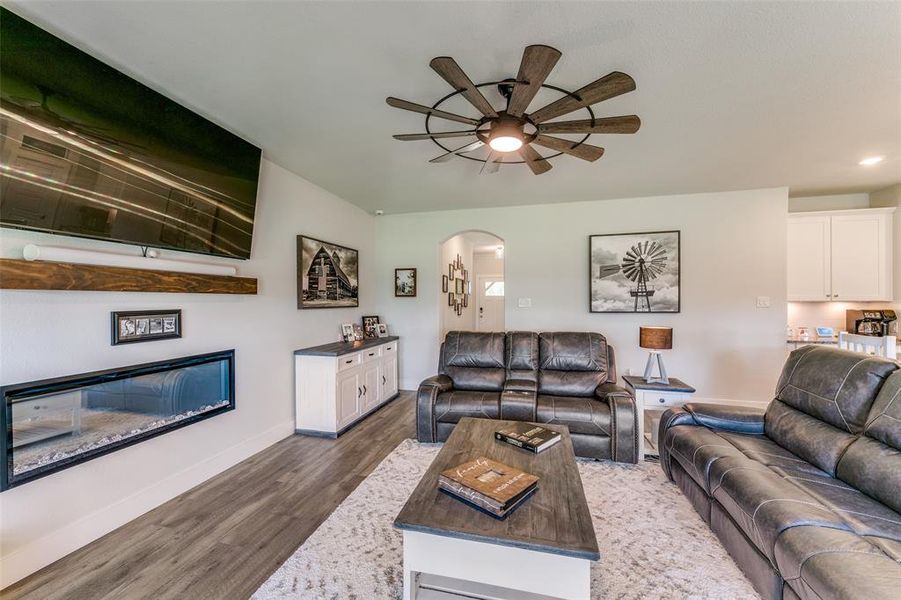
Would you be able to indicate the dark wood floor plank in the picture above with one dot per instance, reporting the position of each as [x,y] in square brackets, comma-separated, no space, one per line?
[223,538]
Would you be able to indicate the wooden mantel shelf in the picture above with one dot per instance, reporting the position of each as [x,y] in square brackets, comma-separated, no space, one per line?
[18,274]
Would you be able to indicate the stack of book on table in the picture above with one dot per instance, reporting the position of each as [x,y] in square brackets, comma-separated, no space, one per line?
[528,436]
[488,485]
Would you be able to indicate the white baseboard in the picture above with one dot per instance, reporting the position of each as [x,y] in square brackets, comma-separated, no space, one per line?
[50,548]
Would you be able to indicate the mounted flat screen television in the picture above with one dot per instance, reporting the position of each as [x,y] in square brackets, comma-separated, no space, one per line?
[87,151]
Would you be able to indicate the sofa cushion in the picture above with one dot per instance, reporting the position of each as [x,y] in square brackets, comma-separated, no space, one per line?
[450,407]
[474,349]
[864,515]
[764,504]
[820,562]
[767,452]
[844,397]
[696,449]
[572,351]
[814,440]
[474,361]
[522,355]
[582,415]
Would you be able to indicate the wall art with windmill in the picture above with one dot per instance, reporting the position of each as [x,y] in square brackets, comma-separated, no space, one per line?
[635,272]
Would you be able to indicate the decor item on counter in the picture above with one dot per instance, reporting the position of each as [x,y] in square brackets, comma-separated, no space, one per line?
[327,274]
[825,332]
[655,339]
[444,283]
[635,272]
[510,135]
[804,333]
[347,332]
[405,282]
[370,325]
[358,332]
[878,322]
[382,330]
[131,326]
[149,171]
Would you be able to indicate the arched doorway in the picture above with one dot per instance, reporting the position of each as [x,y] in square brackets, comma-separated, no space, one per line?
[472,263]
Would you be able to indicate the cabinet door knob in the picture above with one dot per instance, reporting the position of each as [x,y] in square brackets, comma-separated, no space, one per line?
[662,400]
[364,390]
[384,381]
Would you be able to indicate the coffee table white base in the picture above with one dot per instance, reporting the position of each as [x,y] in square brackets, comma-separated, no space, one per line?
[481,570]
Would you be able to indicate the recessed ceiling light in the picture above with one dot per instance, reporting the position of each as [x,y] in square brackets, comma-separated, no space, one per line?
[870,161]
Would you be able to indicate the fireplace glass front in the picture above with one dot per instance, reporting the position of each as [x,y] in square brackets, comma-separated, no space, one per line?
[53,424]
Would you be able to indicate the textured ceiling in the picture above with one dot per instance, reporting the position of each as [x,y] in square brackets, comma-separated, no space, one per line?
[731,95]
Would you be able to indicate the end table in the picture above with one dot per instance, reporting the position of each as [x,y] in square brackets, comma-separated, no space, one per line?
[651,399]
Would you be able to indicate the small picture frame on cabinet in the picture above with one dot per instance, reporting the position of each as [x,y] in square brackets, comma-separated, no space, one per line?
[382,330]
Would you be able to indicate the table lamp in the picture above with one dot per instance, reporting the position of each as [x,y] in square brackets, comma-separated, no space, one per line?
[655,339]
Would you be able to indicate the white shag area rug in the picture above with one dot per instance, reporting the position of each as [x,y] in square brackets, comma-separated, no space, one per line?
[652,543]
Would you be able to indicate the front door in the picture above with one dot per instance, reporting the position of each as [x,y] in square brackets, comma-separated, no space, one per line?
[490,303]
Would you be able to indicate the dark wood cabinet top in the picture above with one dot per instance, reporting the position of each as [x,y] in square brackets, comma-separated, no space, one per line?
[674,385]
[554,519]
[339,348]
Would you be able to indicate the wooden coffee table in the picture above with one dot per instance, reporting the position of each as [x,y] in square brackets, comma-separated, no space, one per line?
[543,549]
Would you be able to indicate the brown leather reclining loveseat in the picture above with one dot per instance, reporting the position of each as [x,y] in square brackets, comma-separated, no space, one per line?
[564,378]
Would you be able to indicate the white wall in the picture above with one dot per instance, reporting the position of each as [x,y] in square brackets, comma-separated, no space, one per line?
[832,202]
[733,250]
[46,334]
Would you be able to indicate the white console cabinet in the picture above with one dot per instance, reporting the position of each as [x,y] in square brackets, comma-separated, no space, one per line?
[338,384]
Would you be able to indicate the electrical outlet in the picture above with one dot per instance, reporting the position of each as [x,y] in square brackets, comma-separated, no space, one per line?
[524,303]
[763,301]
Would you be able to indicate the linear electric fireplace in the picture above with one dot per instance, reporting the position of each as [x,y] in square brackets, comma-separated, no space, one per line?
[56,423]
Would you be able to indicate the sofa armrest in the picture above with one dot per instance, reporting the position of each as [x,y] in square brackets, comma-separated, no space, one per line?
[425,405]
[519,400]
[738,419]
[623,421]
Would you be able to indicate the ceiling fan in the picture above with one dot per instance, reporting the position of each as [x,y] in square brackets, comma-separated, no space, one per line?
[513,129]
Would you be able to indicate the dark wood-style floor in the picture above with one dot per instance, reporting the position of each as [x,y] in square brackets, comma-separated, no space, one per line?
[224,538]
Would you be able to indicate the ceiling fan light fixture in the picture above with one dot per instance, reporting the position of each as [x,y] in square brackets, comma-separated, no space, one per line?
[505,143]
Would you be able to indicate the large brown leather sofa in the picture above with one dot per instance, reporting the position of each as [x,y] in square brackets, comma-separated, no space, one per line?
[563,378]
[805,496]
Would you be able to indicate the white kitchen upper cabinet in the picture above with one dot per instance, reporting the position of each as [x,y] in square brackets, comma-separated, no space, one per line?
[809,267]
[862,257]
[840,256]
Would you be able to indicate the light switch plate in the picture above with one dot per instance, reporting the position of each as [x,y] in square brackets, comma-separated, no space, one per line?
[763,301]
[524,303]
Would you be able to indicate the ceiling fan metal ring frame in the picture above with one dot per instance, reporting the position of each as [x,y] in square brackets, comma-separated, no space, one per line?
[484,120]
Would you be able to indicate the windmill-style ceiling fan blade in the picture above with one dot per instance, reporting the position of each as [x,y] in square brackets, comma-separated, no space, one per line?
[537,63]
[412,137]
[583,151]
[608,86]
[492,163]
[405,105]
[461,150]
[535,161]
[624,124]
[451,72]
